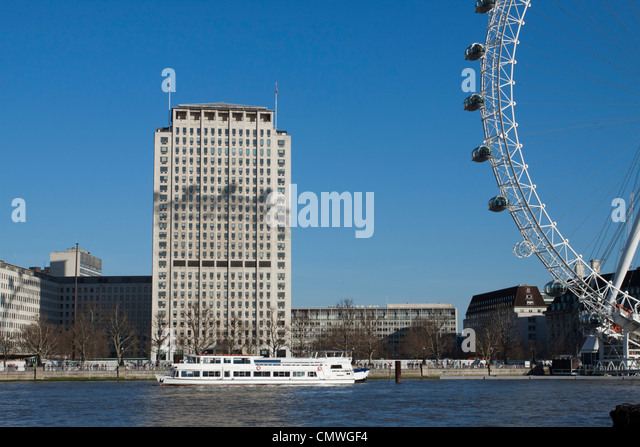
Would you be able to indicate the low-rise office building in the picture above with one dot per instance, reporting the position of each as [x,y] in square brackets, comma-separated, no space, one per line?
[28,294]
[390,322]
[24,296]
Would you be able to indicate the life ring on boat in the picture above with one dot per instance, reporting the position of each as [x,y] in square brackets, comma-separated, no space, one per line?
[258,368]
[319,368]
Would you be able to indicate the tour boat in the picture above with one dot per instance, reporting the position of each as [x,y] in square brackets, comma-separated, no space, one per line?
[321,368]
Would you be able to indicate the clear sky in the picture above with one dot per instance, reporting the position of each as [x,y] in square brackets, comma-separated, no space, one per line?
[370,92]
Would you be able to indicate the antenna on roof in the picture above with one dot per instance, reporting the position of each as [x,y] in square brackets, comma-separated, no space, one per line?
[169,85]
[276,117]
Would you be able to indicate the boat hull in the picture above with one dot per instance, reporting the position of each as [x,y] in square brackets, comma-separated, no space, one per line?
[181,381]
[360,375]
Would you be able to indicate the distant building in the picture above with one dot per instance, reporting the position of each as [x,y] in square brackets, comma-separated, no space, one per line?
[311,323]
[566,335]
[563,326]
[63,263]
[131,293]
[524,303]
[26,294]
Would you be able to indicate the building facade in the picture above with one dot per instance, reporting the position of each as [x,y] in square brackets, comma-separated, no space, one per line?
[24,296]
[132,295]
[27,294]
[213,250]
[65,263]
[310,324]
[523,304]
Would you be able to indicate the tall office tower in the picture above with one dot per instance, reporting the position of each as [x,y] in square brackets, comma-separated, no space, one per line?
[221,273]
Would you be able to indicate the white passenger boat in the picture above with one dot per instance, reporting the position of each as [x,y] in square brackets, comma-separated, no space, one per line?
[322,368]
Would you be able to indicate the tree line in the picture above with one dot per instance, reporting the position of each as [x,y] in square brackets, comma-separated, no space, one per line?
[358,330]
[202,333]
[93,334]
[498,337]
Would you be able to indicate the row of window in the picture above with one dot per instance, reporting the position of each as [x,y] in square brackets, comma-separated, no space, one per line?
[219,275]
[226,141]
[277,374]
[163,284]
[163,264]
[213,131]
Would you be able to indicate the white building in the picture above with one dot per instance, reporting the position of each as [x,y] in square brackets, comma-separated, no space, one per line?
[214,168]
[24,295]
[391,321]
[64,263]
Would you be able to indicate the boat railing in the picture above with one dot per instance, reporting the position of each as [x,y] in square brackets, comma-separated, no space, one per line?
[331,354]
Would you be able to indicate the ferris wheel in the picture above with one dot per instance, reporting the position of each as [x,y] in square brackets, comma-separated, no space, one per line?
[609,312]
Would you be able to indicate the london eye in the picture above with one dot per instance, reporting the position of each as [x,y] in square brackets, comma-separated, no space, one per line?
[561,90]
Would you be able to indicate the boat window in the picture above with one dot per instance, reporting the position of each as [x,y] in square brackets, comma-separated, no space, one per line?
[272,361]
[210,373]
[281,374]
[262,374]
[312,374]
[240,361]
[227,360]
[190,374]
[242,374]
[298,374]
[336,366]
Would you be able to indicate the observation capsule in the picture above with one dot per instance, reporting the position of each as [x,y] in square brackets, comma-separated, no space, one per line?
[474,52]
[592,319]
[481,153]
[474,102]
[498,203]
[484,6]
[555,288]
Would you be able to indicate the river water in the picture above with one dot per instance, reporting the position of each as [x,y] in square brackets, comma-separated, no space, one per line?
[376,403]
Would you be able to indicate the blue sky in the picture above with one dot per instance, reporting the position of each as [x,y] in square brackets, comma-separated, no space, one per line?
[370,92]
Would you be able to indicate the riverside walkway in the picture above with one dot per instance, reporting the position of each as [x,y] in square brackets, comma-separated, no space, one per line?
[150,374]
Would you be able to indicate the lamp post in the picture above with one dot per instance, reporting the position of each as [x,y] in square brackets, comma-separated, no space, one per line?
[75,303]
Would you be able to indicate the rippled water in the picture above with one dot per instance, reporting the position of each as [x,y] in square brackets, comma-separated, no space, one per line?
[376,403]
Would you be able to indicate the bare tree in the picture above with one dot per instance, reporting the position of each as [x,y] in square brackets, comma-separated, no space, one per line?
[276,332]
[8,345]
[487,343]
[39,338]
[342,335]
[497,336]
[160,333]
[505,322]
[119,331]
[302,333]
[201,328]
[230,339]
[250,340]
[428,338]
[87,333]
[368,340]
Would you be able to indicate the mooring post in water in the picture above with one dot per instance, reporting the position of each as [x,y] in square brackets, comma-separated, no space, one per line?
[398,371]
